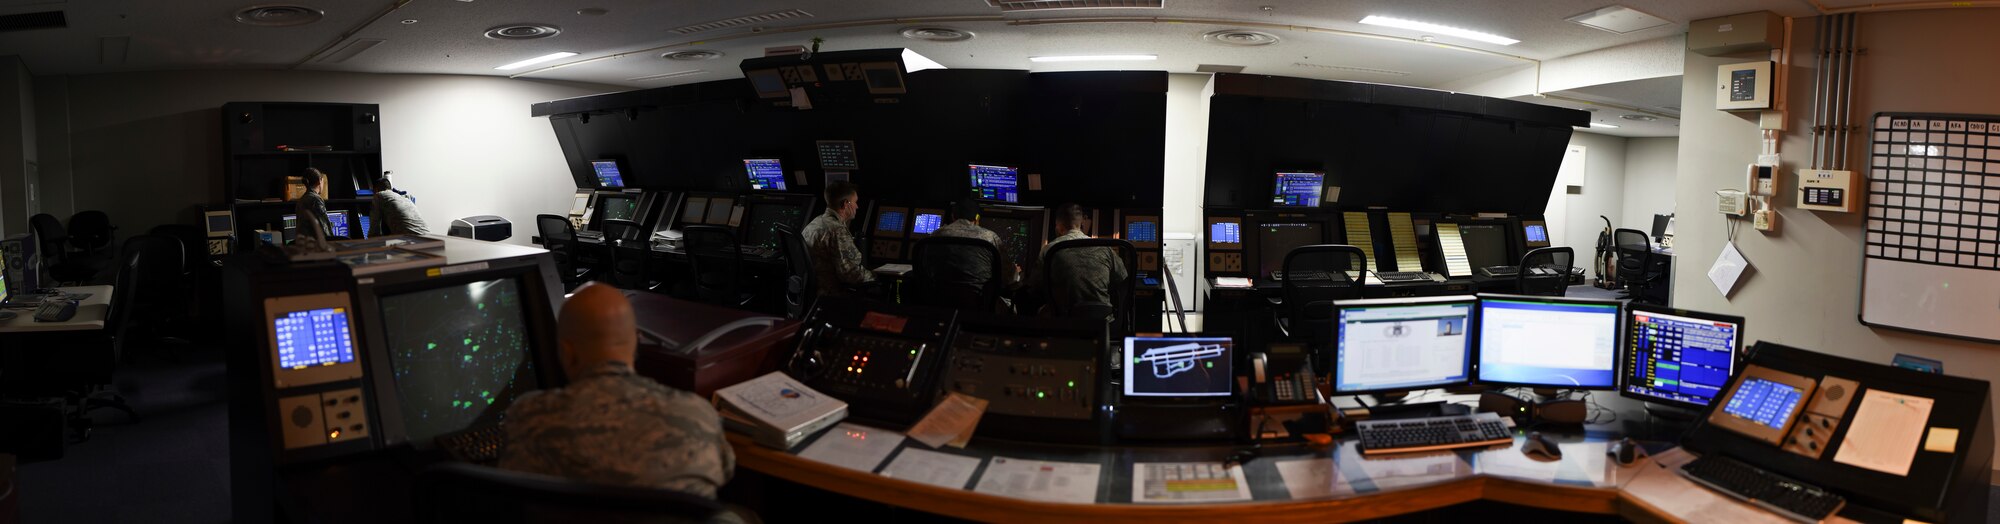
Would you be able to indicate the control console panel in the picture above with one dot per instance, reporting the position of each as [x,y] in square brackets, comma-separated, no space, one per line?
[883,359]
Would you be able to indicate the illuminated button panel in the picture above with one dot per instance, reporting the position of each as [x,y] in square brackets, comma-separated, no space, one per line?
[323,418]
[1024,376]
[871,362]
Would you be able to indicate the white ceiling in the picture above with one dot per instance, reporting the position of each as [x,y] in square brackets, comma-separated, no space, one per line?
[446,37]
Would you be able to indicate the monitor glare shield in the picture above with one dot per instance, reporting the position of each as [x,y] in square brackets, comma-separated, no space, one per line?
[1485,244]
[1225,233]
[766,174]
[607,173]
[460,354]
[1672,357]
[1142,231]
[995,183]
[1563,343]
[1278,239]
[618,207]
[719,210]
[313,338]
[694,210]
[1537,233]
[336,222]
[927,223]
[890,221]
[1178,367]
[1402,344]
[1297,189]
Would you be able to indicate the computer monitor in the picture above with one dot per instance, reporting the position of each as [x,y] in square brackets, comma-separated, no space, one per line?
[1022,232]
[1555,342]
[889,221]
[1401,344]
[1225,233]
[719,209]
[1535,232]
[764,219]
[364,223]
[336,222]
[1662,226]
[618,207]
[927,223]
[1297,189]
[766,174]
[1143,231]
[995,183]
[291,222]
[608,175]
[312,338]
[1276,239]
[460,353]
[694,210]
[1485,244]
[221,224]
[1678,357]
[1178,367]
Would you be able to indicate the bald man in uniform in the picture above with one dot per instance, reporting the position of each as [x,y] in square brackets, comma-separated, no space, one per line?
[609,425]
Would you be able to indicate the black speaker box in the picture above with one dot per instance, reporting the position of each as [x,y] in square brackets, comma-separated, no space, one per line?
[1571,412]
[1504,404]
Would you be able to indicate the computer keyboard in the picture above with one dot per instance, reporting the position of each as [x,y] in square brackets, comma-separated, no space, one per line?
[481,445]
[593,235]
[1500,271]
[1783,495]
[1403,276]
[1432,433]
[1301,275]
[757,251]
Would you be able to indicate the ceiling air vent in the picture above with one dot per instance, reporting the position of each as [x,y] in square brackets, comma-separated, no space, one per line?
[742,21]
[937,34]
[1036,5]
[278,15]
[1214,68]
[523,31]
[1240,38]
[664,76]
[1351,69]
[692,55]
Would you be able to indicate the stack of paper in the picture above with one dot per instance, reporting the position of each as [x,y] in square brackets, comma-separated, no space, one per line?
[777,411]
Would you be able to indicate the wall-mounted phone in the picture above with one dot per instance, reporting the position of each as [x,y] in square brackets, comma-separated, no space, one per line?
[1280,378]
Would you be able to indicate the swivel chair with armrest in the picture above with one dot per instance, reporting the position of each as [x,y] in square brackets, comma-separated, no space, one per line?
[1308,304]
[939,282]
[559,237]
[90,231]
[1064,302]
[629,251]
[717,263]
[801,285]
[53,241]
[1557,259]
[1638,267]
[455,492]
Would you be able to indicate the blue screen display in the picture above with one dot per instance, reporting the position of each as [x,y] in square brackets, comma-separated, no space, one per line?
[1538,233]
[1679,358]
[889,221]
[607,173]
[766,174]
[1142,231]
[1297,189]
[364,224]
[995,183]
[336,221]
[1764,402]
[315,337]
[1559,344]
[1225,233]
[927,223]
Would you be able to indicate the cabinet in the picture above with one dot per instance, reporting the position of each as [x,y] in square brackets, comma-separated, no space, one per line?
[267,142]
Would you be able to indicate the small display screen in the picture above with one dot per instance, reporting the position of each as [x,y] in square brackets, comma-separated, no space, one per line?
[218,223]
[1297,189]
[291,221]
[766,174]
[1538,233]
[363,233]
[336,221]
[928,223]
[995,183]
[694,210]
[314,337]
[1178,367]
[889,221]
[607,173]
[618,207]
[1142,231]
[1765,402]
[1225,233]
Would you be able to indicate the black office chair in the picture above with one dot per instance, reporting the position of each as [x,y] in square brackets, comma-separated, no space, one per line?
[801,285]
[455,492]
[53,241]
[90,231]
[1637,270]
[717,262]
[1309,301]
[1559,260]
[1058,266]
[937,281]
[629,249]
[559,237]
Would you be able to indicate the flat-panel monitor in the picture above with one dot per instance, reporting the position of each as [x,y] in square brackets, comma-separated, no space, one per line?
[927,223]
[1485,244]
[291,221]
[336,222]
[618,207]
[460,353]
[1022,232]
[766,174]
[1225,233]
[1662,225]
[764,219]
[1401,344]
[1762,403]
[1276,239]
[995,183]
[608,175]
[1178,367]
[694,210]
[1555,342]
[1678,357]
[719,210]
[364,224]
[1142,231]
[889,222]
[1535,232]
[582,201]
[1297,189]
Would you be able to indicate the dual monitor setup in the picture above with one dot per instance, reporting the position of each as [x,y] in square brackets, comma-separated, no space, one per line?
[755,215]
[341,222]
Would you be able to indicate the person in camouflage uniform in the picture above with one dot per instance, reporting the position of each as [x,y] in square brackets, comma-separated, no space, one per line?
[609,425]
[836,262]
[973,266]
[1079,276]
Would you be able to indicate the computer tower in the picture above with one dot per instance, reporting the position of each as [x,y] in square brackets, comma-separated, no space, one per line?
[24,268]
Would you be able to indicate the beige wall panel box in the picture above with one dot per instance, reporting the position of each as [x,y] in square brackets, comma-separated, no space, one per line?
[1743,87]
[1758,31]
[1827,190]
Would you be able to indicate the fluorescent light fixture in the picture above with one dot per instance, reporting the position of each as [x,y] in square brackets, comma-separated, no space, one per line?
[536,60]
[1439,29]
[1609,126]
[1092,58]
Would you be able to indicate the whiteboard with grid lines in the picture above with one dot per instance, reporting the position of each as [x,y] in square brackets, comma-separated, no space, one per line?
[1931,256]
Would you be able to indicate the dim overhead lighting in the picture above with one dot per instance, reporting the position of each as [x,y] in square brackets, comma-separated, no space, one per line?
[1092,58]
[1438,29]
[536,60]
[1609,126]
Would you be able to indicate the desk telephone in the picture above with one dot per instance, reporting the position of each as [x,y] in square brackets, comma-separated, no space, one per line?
[1282,379]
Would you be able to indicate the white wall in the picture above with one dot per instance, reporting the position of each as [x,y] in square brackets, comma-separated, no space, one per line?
[147,147]
[1186,165]
[1572,218]
[55,193]
[17,145]
[1649,180]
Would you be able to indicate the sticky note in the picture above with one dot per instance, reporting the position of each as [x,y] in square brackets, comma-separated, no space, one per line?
[1942,440]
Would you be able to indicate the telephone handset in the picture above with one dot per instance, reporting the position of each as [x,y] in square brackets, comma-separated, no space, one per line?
[1284,379]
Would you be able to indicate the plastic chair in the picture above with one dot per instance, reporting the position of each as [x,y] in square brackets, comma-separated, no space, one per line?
[1069,302]
[559,237]
[1309,302]
[940,280]
[629,252]
[1558,259]
[459,492]
[801,286]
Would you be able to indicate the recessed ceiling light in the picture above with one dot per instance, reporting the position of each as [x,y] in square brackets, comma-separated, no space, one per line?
[593,11]
[1618,19]
[409,21]
[1439,29]
[536,60]
[1240,38]
[1640,118]
[523,31]
[692,55]
[278,15]
[1595,124]
[1092,58]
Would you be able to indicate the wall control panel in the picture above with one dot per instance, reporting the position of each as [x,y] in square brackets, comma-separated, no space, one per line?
[1827,190]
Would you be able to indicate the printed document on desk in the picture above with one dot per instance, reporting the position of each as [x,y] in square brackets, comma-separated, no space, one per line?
[1188,482]
[943,470]
[1068,482]
[1885,432]
[1313,478]
[853,446]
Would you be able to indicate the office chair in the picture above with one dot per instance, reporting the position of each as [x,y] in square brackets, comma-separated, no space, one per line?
[1309,302]
[717,262]
[941,282]
[53,240]
[559,237]
[1559,259]
[629,250]
[801,285]
[90,231]
[1636,265]
[1058,266]
[454,492]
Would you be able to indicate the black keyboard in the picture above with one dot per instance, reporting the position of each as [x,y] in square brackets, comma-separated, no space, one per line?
[1432,433]
[1784,495]
[1403,276]
[1500,271]
[1301,275]
[758,251]
[480,445]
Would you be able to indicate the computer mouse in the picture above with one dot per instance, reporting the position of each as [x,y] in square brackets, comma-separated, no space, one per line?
[1538,446]
[1625,451]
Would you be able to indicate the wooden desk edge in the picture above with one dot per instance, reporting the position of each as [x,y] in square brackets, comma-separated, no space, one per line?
[968,504]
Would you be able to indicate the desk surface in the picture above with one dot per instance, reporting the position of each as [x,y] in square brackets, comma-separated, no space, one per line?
[90,314]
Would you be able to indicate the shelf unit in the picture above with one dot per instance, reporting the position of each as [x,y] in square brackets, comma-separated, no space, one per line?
[256,169]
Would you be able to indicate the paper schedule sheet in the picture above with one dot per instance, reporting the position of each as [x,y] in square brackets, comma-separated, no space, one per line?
[1071,482]
[930,467]
[1189,482]
[853,446]
[1885,432]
